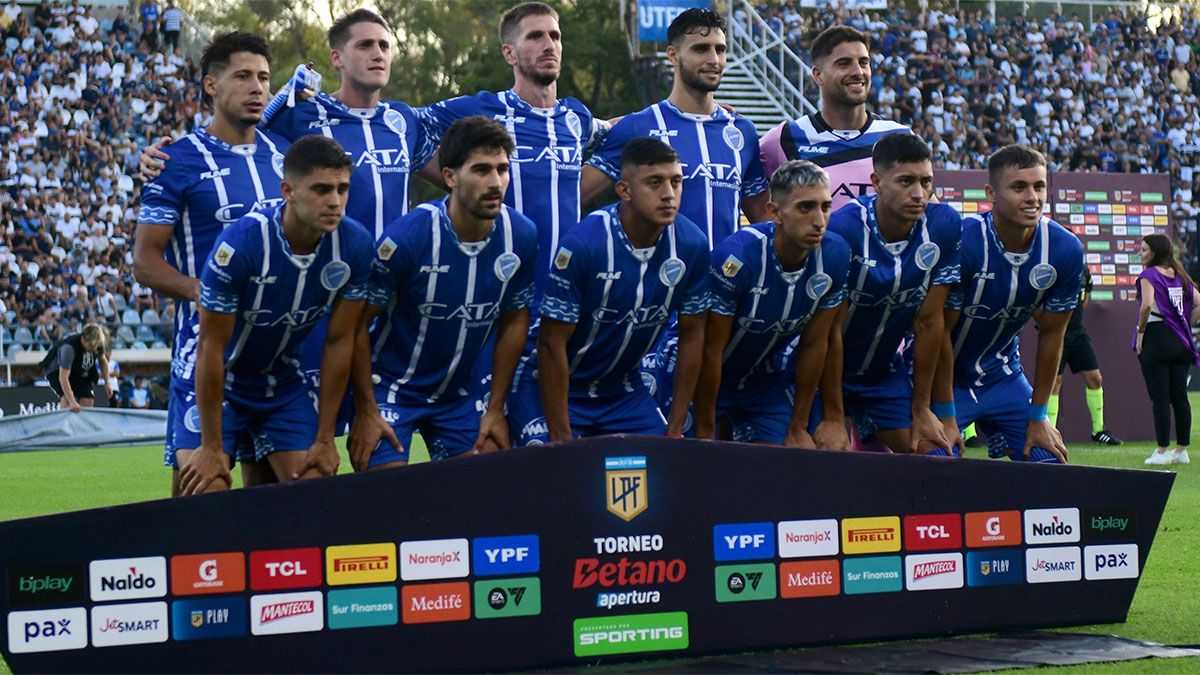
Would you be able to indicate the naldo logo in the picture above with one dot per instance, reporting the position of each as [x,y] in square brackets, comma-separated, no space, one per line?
[127,578]
[1052,526]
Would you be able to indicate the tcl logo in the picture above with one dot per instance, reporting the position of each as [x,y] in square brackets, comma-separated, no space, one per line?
[993,528]
[208,573]
[932,532]
[285,568]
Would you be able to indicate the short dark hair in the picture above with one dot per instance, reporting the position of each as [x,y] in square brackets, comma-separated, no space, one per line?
[1015,155]
[339,32]
[469,134]
[696,19]
[900,148]
[514,16]
[315,152]
[646,151]
[215,58]
[828,40]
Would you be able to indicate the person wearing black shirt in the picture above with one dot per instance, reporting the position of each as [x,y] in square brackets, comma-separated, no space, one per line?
[1079,353]
[70,368]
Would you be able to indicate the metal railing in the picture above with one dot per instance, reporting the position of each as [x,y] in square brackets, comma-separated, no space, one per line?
[765,55]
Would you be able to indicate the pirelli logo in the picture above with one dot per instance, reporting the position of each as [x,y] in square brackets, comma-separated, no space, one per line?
[360,564]
[871,535]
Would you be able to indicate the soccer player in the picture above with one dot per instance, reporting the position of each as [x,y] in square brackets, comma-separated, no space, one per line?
[904,258]
[70,368]
[271,276]
[1015,261]
[772,282]
[839,138]
[448,275]
[217,174]
[618,275]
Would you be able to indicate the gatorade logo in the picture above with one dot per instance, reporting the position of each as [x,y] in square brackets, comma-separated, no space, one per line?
[993,528]
[208,573]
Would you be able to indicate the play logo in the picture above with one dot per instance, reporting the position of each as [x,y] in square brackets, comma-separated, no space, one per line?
[993,528]
[285,568]
[208,573]
[287,613]
[47,630]
[435,603]
[207,618]
[1000,567]
[939,532]
[128,578]
[42,585]
[809,579]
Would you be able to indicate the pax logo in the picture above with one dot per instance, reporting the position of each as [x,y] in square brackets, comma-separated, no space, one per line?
[286,613]
[506,555]
[128,578]
[808,538]
[434,559]
[433,603]
[360,564]
[933,571]
[1118,561]
[136,624]
[809,578]
[993,528]
[1050,565]
[49,630]
[1051,526]
[871,535]
[932,532]
[744,541]
[208,573]
[280,569]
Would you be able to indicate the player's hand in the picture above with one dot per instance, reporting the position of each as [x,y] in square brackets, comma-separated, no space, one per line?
[926,432]
[832,435]
[1138,344]
[322,460]
[205,468]
[950,429]
[153,160]
[366,431]
[108,391]
[75,407]
[728,108]
[493,433]
[1042,434]
[800,438]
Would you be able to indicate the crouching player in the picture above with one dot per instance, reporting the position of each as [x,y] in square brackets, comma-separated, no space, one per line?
[1014,261]
[445,277]
[771,282]
[615,279]
[269,279]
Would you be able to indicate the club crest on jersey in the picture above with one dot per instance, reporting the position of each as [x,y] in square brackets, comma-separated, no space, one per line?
[386,248]
[671,272]
[928,255]
[1042,276]
[731,266]
[277,164]
[574,124]
[395,121]
[191,419]
[818,285]
[224,254]
[507,264]
[335,275]
[562,259]
[733,138]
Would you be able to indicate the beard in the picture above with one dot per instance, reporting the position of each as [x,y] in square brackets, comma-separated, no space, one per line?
[542,79]
[693,80]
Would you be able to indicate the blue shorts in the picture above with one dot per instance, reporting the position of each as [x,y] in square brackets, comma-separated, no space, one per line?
[1000,412]
[449,428]
[251,429]
[885,403]
[312,350]
[758,416]
[633,412]
[658,370]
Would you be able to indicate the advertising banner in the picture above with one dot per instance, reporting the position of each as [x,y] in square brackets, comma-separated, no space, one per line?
[654,16]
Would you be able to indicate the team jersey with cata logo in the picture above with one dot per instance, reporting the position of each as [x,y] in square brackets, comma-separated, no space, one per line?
[845,155]
[207,186]
[278,296]
[1000,291]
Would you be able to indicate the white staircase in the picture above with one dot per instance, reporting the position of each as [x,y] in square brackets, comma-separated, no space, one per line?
[744,92]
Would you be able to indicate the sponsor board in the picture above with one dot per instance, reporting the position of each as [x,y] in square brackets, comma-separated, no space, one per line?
[503,598]
[279,613]
[631,634]
[871,535]
[1113,561]
[626,490]
[1051,526]
[491,556]
[882,574]
[1109,525]
[47,630]
[744,541]
[625,572]
[741,583]
[808,538]
[44,585]
[133,624]
[208,573]
[360,564]
[809,579]
[433,603]
[1052,565]
[993,528]
[285,568]
[934,532]
[933,571]
[206,618]
[434,559]
[128,578]
[362,607]
[999,567]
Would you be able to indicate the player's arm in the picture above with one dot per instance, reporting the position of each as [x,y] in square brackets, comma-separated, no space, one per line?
[150,267]
[717,330]
[928,334]
[336,363]
[1041,433]
[432,173]
[207,464]
[104,375]
[942,402]
[810,365]
[687,370]
[831,431]
[512,329]
[367,427]
[64,382]
[592,183]
[755,207]
[554,375]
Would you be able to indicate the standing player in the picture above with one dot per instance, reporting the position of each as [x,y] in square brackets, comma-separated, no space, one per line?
[271,276]
[218,174]
[1014,263]
[448,275]
[618,276]
[772,282]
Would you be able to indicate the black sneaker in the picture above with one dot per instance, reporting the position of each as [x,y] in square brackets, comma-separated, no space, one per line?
[1106,438]
[974,442]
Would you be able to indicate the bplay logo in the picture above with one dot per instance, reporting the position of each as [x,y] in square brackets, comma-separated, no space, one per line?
[207,618]
[128,578]
[503,598]
[360,564]
[1051,565]
[631,634]
[1117,561]
[135,624]
[47,630]
[1051,526]
[1000,567]
[993,528]
[809,579]
[939,532]
[505,555]
[741,583]
[871,535]
[808,538]
[433,603]
[434,559]
[744,541]
[39,586]
[933,571]
[208,573]
[883,574]
[287,613]
[1110,525]
[363,607]
[281,569]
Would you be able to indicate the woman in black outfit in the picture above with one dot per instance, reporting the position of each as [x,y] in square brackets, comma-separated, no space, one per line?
[70,367]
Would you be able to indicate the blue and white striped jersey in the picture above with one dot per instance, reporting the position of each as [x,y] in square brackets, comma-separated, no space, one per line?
[619,297]
[888,282]
[388,143]
[719,153]
[1000,291]
[278,296]
[770,306]
[442,300]
[206,186]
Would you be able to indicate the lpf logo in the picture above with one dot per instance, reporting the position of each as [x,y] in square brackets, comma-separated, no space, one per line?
[625,488]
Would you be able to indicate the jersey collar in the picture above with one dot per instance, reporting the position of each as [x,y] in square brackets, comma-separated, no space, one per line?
[202,134]
[719,114]
[300,261]
[869,202]
[617,227]
[1016,259]
[443,208]
[511,98]
[822,126]
[337,104]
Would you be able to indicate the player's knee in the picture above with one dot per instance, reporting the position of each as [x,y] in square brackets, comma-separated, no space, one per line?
[1092,379]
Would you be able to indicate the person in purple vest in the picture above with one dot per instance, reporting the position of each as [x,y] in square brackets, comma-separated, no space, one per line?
[1167,309]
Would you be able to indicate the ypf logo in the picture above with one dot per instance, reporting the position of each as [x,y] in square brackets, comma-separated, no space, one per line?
[208,573]
[625,488]
[744,541]
[505,555]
